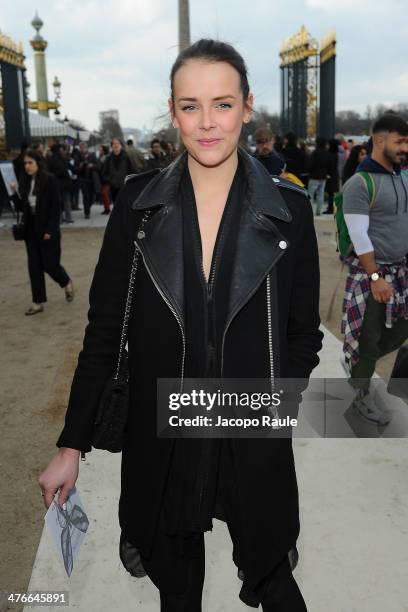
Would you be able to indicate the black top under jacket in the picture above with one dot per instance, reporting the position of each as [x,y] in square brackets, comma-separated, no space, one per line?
[192,486]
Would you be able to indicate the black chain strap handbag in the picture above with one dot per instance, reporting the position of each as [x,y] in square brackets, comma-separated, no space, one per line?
[112,413]
[19,228]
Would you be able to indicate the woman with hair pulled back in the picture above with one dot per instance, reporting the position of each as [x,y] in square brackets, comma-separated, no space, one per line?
[227,287]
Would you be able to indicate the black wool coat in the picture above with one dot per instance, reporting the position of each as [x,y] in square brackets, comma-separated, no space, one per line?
[277,241]
[48,206]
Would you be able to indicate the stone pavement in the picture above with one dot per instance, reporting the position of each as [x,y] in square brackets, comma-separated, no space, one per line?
[353,543]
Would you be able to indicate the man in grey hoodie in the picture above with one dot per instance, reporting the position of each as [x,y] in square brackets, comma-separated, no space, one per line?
[375,307]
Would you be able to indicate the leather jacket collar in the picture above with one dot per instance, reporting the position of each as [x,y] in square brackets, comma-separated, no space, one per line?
[264,196]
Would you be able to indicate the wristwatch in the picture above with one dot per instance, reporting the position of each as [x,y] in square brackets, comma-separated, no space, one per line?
[376,275]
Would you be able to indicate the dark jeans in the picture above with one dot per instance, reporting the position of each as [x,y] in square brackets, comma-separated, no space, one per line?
[114,193]
[180,578]
[375,341]
[66,206]
[44,256]
[87,189]
[75,194]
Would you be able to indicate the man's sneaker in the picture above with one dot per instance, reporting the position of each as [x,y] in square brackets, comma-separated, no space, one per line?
[367,409]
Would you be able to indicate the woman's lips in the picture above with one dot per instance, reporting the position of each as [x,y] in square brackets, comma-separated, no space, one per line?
[209,142]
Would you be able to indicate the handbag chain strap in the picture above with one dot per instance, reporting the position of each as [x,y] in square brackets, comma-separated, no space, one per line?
[129,299]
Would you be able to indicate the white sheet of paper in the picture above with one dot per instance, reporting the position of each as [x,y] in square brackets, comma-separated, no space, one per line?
[67,528]
[8,174]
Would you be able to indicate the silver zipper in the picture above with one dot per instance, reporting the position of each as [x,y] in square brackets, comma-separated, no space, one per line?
[173,310]
[270,342]
[271,409]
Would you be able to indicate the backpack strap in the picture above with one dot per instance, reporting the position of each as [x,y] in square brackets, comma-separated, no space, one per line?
[370,184]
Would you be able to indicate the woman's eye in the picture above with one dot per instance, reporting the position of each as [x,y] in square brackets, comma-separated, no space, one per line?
[224,105]
[188,108]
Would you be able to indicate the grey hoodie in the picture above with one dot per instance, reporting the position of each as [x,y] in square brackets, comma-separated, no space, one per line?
[388,225]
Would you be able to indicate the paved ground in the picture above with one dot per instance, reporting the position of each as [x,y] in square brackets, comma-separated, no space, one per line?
[353,492]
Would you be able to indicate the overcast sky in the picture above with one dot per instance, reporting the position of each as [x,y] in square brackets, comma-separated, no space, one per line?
[118,53]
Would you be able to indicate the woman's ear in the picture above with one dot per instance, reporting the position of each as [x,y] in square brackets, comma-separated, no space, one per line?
[249,104]
[172,113]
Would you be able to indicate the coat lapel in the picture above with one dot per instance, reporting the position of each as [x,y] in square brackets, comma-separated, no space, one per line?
[161,243]
[260,244]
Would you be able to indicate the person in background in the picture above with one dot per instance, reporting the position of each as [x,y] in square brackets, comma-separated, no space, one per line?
[332,183]
[294,157]
[135,156]
[265,151]
[278,144]
[157,158]
[356,157]
[74,158]
[58,165]
[105,189]
[375,305]
[38,197]
[39,148]
[165,148]
[343,153]
[172,151]
[320,166]
[305,149]
[116,168]
[86,166]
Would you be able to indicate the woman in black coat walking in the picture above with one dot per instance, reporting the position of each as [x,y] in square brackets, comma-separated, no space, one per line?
[38,197]
[116,168]
[227,287]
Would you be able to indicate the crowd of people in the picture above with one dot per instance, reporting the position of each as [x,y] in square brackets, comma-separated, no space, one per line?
[97,175]
[322,168]
[47,191]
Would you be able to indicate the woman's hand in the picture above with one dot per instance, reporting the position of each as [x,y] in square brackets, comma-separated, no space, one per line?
[47,236]
[13,186]
[61,473]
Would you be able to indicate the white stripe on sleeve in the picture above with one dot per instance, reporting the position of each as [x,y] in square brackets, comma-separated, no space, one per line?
[357,226]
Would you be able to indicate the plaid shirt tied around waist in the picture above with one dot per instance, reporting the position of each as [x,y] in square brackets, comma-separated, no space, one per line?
[355,298]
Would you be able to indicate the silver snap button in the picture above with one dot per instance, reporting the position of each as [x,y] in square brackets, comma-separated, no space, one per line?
[141,235]
[283,244]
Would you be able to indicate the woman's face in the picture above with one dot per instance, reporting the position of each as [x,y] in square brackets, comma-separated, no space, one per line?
[31,166]
[116,147]
[361,155]
[209,110]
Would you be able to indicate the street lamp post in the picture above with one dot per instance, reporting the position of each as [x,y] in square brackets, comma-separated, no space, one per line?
[57,91]
[39,45]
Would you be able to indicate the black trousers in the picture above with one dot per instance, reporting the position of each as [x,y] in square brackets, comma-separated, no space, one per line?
[44,256]
[179,576]
[114,193]
[88,195]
